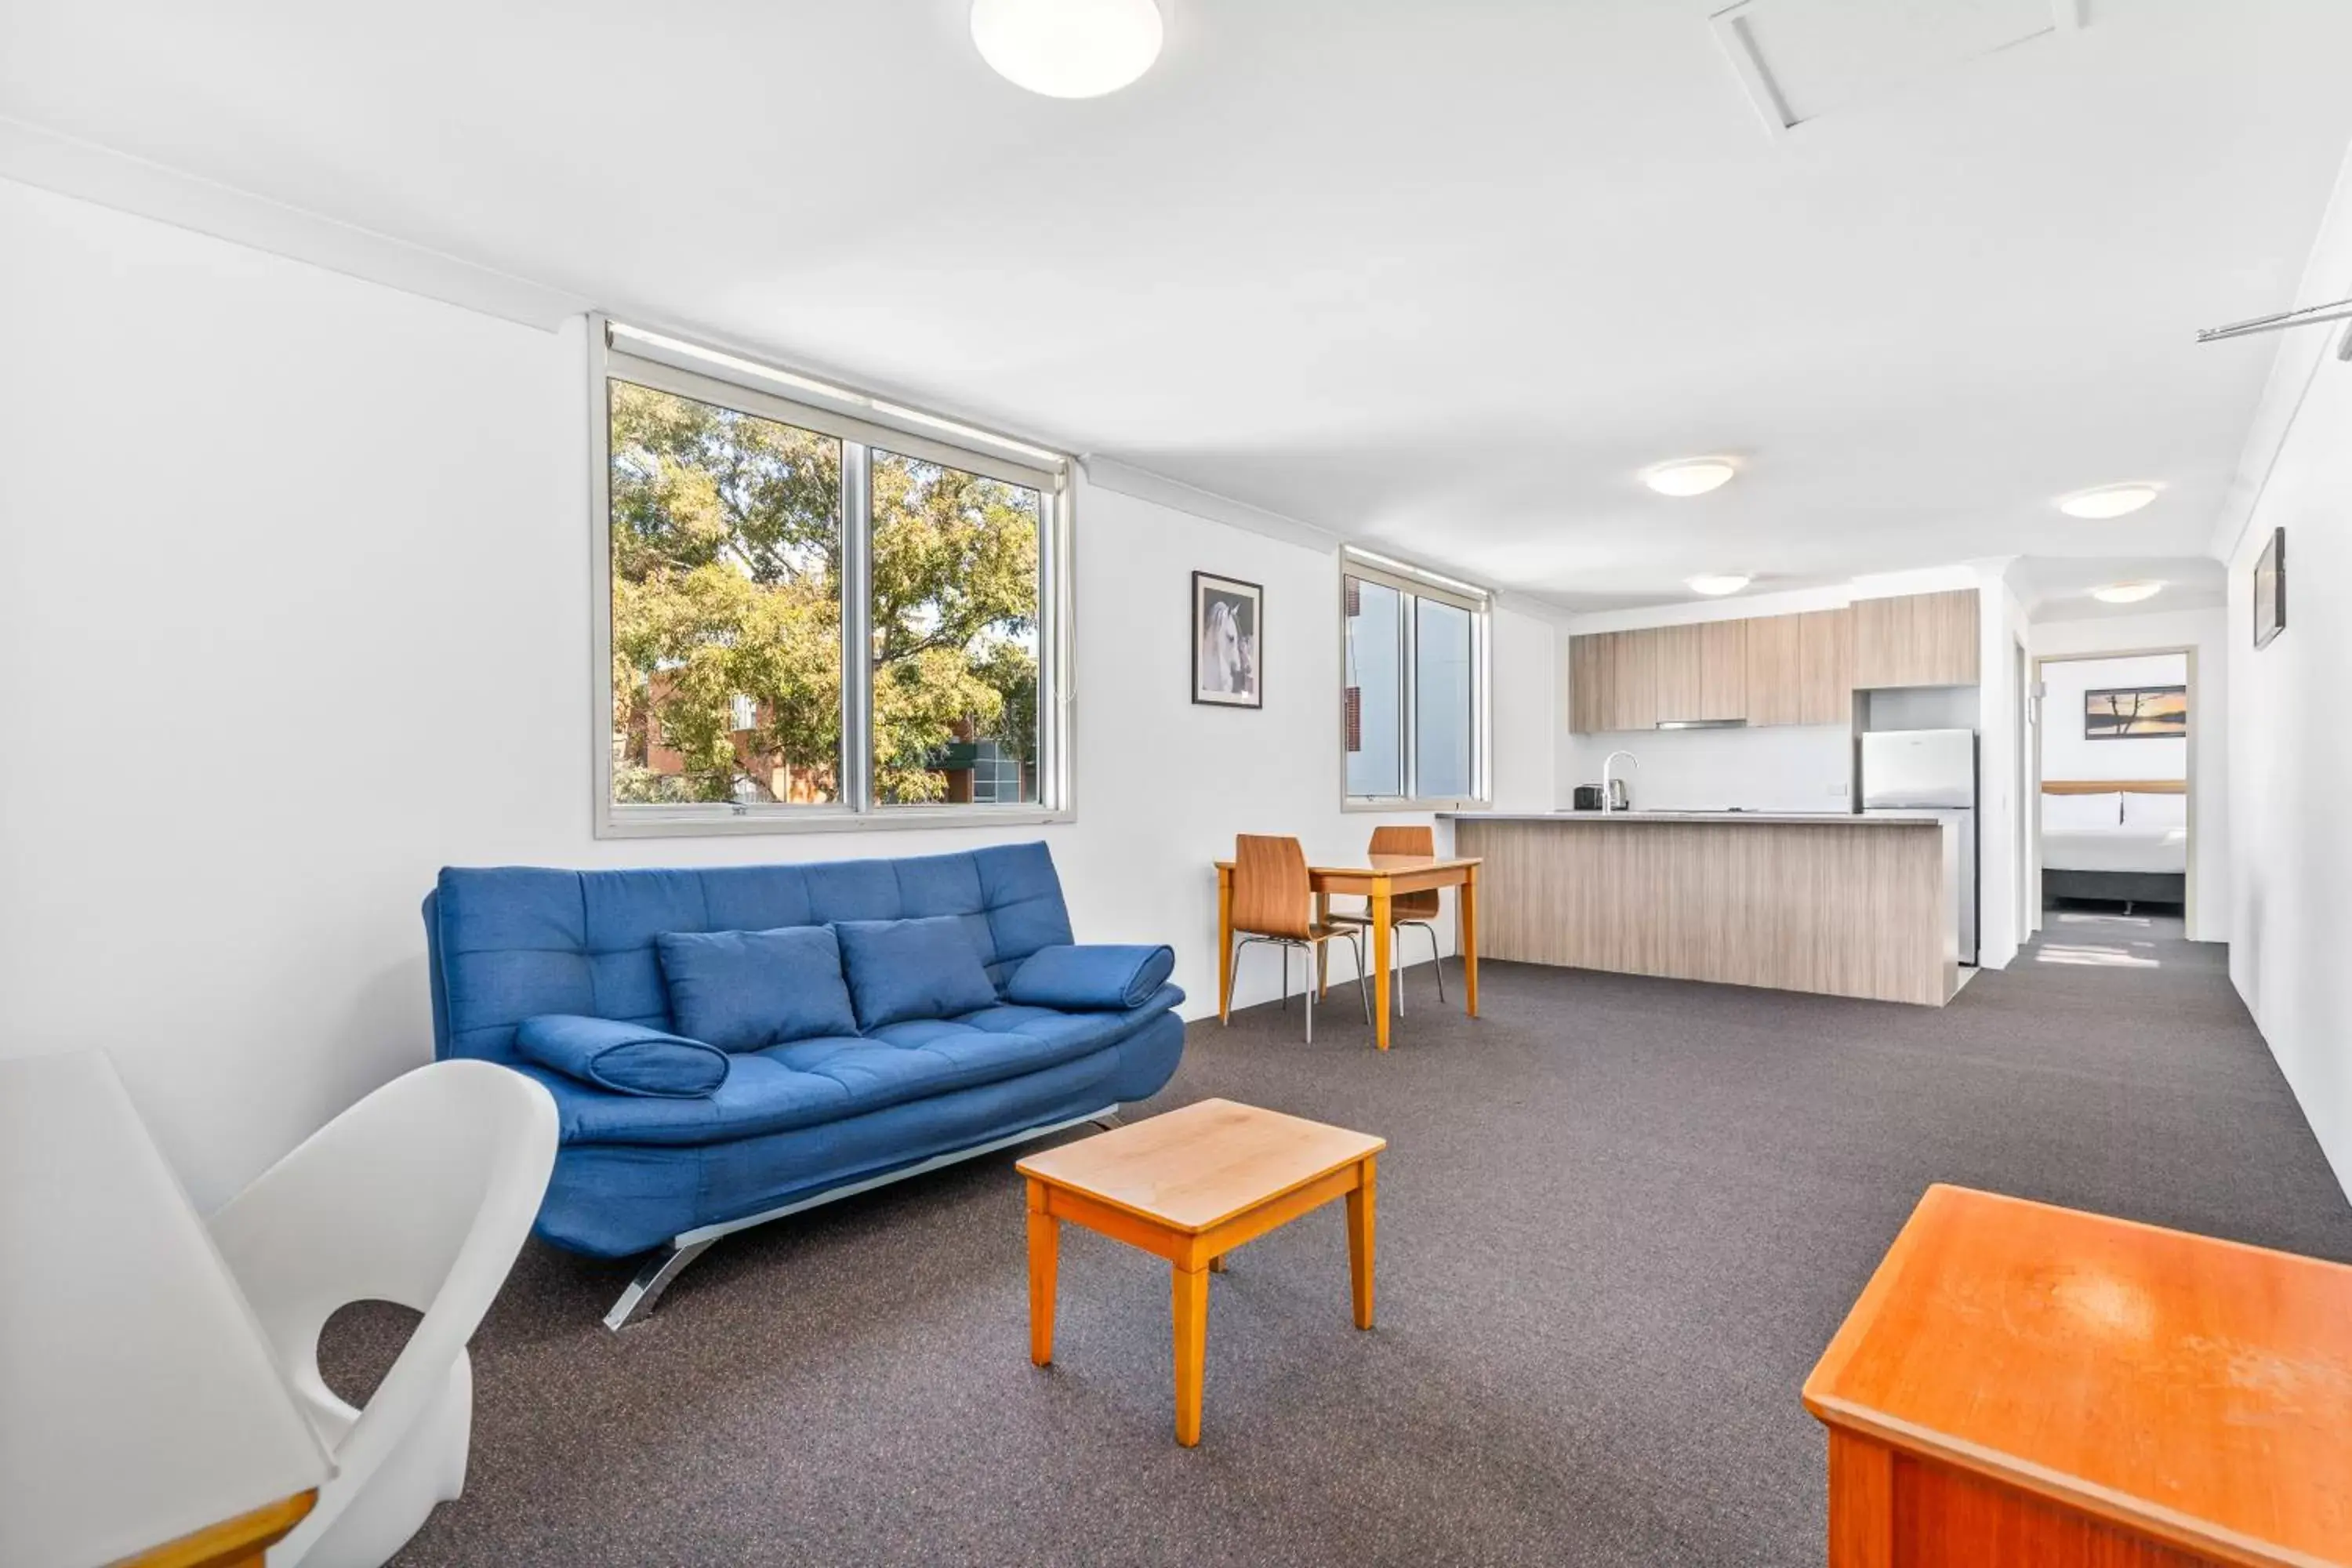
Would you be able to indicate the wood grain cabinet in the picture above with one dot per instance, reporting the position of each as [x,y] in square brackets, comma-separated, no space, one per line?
[1591,681]
[1613,680]
[1770,669]
[1916,639]
[1825,666]
[1663,675]
[1775,654]
[1722,671]
[1633,680]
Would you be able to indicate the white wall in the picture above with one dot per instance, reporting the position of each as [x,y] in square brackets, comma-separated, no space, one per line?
[1796,767]
[2290,818]
[2068,753]
[294,600]
[2209,748]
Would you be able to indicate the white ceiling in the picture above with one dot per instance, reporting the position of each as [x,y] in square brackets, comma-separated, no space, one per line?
[2055,588]
[1441,277]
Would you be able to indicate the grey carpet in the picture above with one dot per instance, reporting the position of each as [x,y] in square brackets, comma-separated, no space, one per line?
[1619,1219]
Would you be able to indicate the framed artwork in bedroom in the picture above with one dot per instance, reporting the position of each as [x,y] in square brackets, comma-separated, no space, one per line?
[1228,629]
[2136,713]
[2269,589]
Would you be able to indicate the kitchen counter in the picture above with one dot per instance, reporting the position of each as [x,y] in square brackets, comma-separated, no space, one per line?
[1777,818]
[1826,902]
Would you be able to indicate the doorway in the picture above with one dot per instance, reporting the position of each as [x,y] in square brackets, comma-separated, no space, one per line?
[2112,792]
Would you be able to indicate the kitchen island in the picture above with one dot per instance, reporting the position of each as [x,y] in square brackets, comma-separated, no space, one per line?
[1835,904]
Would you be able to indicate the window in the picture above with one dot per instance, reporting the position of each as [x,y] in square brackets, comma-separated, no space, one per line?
[1414,692]
[755,529]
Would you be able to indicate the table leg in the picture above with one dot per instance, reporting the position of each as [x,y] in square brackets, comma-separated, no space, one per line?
[1225,944]
[1381,934]
[1322,949]
[1044,1256]
[1360,1217]
[1467,905]
[1191,1313]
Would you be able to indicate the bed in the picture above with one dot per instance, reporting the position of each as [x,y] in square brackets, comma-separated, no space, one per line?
[2121,840]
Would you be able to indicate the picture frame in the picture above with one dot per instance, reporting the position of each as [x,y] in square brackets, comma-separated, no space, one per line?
[1228,640]
[2269,589]
[2136,713]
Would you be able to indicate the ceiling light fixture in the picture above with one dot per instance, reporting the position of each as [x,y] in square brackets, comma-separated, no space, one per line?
[2108,501]
[1715,586]
[1690,476]
[2126,592]
[1068,48]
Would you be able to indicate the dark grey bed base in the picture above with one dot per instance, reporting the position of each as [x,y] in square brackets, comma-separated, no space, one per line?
[2117,887]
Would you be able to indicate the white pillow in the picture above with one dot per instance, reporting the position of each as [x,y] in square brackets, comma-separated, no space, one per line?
[2077,813]
[2141,810]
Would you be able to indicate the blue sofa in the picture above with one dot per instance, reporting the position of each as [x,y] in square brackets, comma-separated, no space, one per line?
[799,1122]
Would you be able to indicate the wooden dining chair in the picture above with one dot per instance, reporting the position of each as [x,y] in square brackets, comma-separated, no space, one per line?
[1405,908]
[1275,903]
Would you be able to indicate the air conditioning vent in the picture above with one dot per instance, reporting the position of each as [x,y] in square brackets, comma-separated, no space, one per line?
[1801,59]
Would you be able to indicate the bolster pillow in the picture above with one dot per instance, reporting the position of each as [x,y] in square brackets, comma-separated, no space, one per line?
[1091,977]
[627,1058]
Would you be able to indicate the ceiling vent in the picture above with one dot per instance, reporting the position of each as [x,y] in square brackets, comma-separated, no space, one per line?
[1799,59]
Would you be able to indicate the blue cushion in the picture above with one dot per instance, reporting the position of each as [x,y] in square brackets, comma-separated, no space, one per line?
[747,990]
[1096,977]
[912,969]
[627,1058]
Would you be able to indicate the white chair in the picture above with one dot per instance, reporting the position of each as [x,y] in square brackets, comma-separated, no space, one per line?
[420,1195]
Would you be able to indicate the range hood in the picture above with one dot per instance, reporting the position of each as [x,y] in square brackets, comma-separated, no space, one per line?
[1702,723]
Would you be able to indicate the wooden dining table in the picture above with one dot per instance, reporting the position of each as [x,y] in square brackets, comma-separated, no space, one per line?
[1378,879]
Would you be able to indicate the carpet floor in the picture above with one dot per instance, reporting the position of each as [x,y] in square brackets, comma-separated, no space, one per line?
[1619,1219]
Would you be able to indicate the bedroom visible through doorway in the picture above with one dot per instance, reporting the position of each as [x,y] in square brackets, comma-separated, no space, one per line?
[2113,824]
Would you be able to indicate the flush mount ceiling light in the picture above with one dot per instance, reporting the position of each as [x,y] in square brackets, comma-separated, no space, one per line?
[2108,501]
[1690,476]
[1714,588]
[1067,49]
[2126,592]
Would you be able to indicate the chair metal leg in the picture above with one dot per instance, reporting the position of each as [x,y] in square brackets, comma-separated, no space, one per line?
[1285,975]
[1363,976]
[1396,961]
[1310,994]
[1436,963]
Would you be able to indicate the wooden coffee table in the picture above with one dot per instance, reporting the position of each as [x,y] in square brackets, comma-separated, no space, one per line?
[1189,1187]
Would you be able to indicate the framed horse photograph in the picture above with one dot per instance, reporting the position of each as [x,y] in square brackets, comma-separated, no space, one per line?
[1226,622]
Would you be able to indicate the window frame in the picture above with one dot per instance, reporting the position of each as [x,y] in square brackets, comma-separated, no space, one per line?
[861,423]
[1413,584]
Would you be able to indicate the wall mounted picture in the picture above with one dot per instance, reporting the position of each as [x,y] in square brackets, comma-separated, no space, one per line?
[2136,713]
[2269,589]
[1227,617]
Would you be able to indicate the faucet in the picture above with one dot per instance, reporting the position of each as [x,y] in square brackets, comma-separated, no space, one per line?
[1609,762]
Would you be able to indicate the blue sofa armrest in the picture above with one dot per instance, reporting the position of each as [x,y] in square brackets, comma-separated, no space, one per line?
[1091,977]
[626,1058]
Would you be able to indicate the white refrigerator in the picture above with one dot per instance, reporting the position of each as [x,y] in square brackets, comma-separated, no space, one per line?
[1929,772]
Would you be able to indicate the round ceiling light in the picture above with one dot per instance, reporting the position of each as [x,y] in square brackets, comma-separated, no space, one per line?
[1690,476]
[2126,592]
[1067,49]
[1717,586]
[2108,501]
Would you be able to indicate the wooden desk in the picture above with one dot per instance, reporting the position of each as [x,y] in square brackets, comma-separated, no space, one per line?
[1380,879]
[2020,1384]
[143,1416]
[1189,1187]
